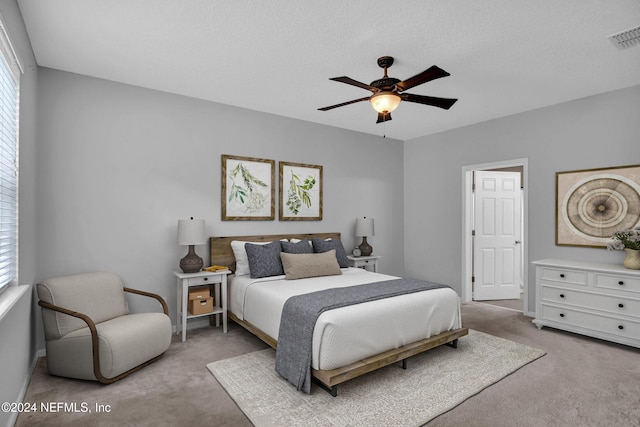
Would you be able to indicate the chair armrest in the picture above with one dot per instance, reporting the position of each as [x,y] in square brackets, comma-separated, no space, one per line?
[92,329]
[87,319]
[165,308]
[95,345]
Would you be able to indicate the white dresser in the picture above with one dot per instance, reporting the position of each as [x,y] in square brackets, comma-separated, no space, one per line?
[598,300]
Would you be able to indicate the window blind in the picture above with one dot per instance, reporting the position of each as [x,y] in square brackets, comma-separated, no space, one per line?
[9,84]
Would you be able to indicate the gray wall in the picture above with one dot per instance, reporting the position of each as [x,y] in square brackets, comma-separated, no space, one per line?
[107,169]
[17,340]
[594,132]
[118,165]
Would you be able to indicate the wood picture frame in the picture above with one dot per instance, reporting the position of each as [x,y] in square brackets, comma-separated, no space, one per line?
[592,204]
[248,189]
[300,188]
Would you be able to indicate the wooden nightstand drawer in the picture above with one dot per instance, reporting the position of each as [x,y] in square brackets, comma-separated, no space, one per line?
[366,262]
[195,281]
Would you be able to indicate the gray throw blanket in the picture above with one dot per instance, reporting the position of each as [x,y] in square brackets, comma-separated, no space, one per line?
[300,312]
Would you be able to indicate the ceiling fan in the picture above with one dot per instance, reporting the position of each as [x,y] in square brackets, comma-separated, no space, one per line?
[387,92]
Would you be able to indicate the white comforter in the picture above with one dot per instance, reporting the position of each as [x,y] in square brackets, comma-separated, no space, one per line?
[348,334]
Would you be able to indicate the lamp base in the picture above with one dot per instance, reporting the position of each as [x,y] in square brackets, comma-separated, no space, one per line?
[365,248]
[191,263]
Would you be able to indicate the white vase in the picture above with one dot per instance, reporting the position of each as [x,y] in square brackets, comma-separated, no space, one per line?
[632,260]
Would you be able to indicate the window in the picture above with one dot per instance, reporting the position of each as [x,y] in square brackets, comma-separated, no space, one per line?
[9,85]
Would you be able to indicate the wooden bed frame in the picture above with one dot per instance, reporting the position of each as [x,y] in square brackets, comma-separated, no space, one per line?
[222,254]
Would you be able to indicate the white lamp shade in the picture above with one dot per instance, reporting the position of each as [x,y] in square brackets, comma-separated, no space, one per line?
[191,232]
[364,227]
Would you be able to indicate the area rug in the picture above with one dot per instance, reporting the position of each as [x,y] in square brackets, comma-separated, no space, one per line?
[435,382]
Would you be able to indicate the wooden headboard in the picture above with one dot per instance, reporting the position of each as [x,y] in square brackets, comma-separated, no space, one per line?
[222,254]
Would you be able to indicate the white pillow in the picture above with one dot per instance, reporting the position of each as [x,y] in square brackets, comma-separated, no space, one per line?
[300,240]
[242,260]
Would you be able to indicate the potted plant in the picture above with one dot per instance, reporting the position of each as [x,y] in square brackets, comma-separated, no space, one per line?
[629,241]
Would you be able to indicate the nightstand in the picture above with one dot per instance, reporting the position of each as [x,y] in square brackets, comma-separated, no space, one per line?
[367,262]
[185,280]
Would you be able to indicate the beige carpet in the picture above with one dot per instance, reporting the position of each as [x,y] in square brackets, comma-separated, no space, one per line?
[434,382]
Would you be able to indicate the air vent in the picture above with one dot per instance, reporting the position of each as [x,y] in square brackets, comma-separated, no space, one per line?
[626,39]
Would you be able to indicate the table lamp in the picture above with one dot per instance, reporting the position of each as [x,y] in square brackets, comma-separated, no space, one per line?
[364,229]
[191,233]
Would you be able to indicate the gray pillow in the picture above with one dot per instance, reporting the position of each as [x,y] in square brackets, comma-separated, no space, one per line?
[320,245]
[301,247]
[299,266]
[264,260]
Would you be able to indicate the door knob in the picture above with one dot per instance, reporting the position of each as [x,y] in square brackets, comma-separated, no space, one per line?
[518,242]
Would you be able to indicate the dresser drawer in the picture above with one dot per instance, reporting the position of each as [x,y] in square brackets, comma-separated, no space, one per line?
[563,275]
[625,328]
[617,282]
[592,301]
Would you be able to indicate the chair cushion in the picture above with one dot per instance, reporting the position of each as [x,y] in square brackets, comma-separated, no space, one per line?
[99,295]
[125,342]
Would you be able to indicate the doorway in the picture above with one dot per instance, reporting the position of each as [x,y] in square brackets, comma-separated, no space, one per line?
[468,269]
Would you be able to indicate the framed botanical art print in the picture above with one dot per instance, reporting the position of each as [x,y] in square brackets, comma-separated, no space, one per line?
[248,188]
[300,189]
[593,204]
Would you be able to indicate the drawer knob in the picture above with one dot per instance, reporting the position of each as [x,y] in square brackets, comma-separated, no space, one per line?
[561,295]
[621,305]
[620,283]
[561,314]
[206,278]
[562,275]
[620,327]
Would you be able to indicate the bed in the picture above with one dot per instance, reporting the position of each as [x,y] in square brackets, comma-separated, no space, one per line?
[375,333]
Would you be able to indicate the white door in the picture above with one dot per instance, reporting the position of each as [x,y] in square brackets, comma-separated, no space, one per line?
[497,241]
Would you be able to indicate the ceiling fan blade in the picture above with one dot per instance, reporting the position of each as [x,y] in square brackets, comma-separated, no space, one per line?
[445,103]
[432,73]
[350,81]
[331,107]
[383,117]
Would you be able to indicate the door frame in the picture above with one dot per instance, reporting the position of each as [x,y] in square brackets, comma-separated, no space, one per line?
[467,226]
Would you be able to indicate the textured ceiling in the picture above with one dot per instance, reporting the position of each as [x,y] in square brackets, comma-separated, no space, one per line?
[504,56]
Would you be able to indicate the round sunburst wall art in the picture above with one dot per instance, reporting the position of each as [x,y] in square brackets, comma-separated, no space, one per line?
[592,205]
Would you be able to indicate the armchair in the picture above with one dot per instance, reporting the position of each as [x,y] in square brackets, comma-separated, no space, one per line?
[90,333]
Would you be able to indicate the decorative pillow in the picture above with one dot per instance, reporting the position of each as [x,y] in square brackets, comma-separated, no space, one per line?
[264,260]
[240,254]
[299,266]
[320,246]
[300,247]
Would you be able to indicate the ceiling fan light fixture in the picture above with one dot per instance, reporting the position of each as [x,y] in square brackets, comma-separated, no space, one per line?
[385,96]
[385,101]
